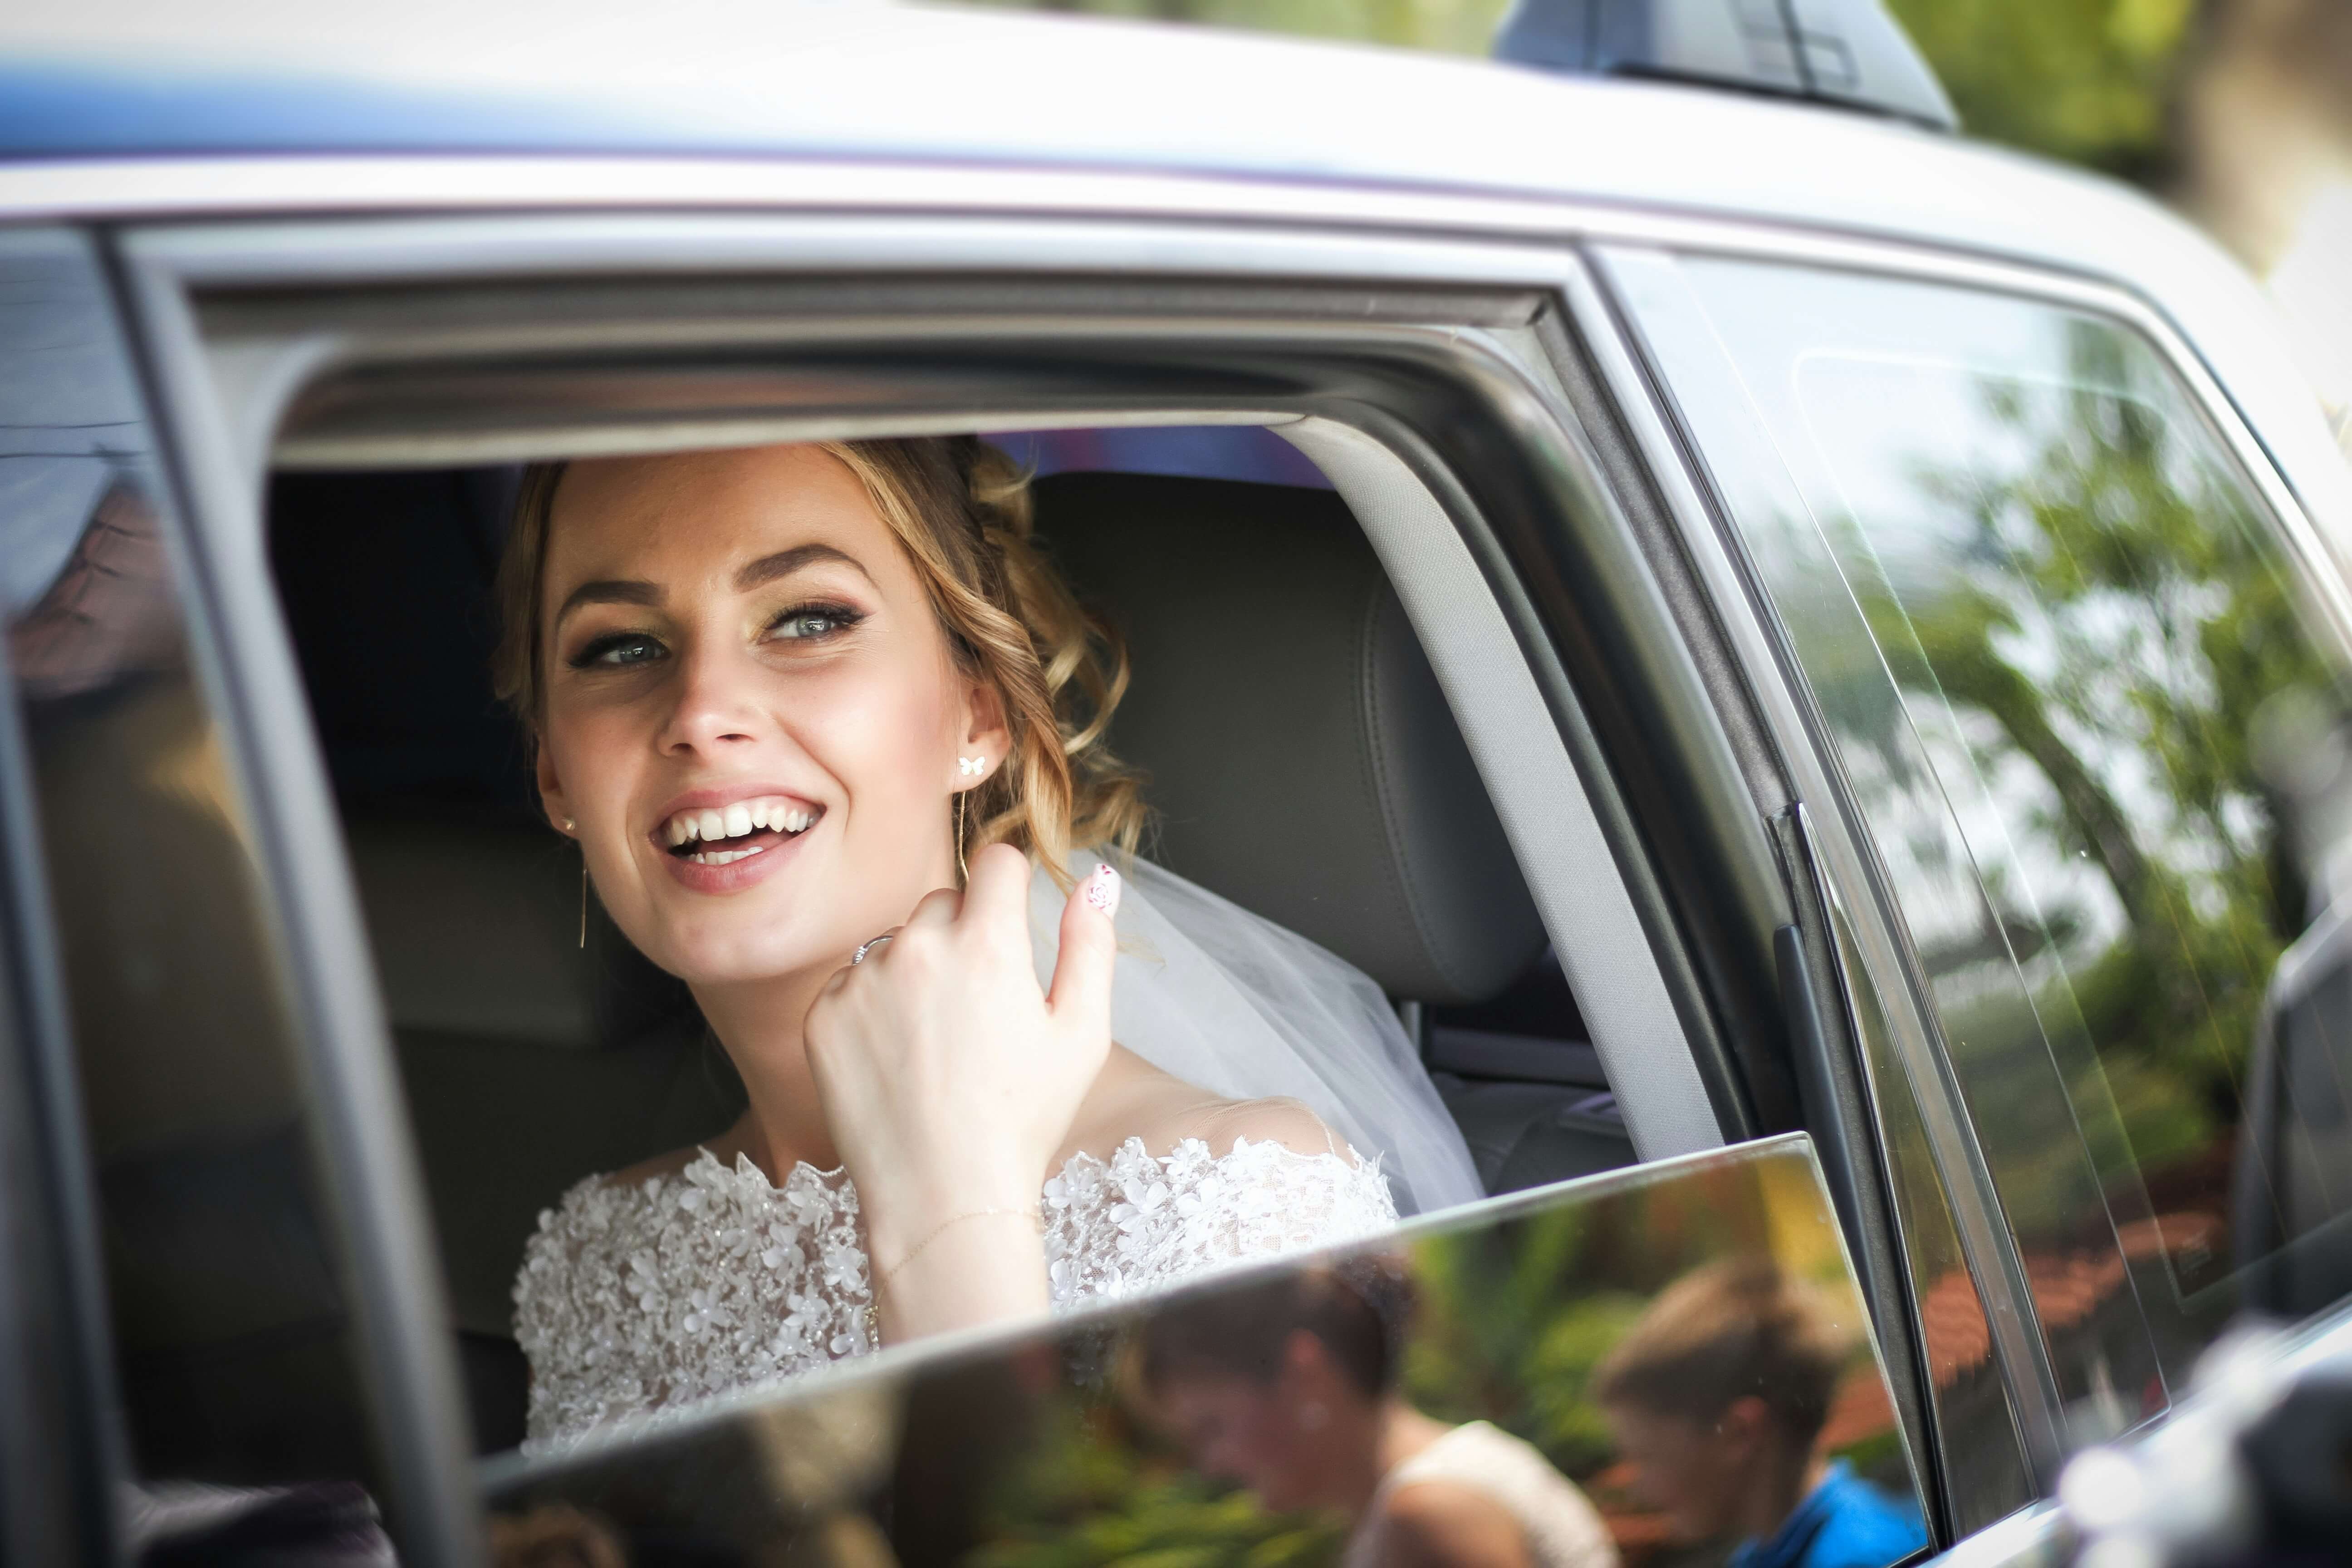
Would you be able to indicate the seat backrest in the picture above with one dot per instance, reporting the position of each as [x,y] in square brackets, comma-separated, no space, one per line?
[1302,759]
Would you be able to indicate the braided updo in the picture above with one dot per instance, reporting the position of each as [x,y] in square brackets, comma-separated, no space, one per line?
[960,509]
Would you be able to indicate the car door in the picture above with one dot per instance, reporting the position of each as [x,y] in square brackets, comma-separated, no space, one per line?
[2067,661]
[375,342]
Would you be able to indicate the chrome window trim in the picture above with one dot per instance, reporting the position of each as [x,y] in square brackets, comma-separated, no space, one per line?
[1852,879]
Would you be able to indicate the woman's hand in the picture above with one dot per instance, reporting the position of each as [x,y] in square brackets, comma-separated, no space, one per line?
[949,1081]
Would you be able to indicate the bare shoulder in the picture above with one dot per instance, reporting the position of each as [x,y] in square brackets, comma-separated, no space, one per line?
[1138,1100]
[1435,1522]
[1283,1122]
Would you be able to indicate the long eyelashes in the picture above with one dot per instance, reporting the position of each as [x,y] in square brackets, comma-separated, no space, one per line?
[814,622]
[809,622]
[602,650]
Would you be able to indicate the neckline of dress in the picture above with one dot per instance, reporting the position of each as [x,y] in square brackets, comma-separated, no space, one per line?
[832,1180]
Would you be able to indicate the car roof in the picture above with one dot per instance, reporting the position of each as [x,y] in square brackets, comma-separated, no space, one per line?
[863,79]
[851,83]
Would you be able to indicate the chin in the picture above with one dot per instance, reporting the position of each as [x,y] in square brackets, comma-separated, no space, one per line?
[707,957]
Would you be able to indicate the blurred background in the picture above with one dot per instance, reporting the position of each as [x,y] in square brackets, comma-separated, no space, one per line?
[2238,113]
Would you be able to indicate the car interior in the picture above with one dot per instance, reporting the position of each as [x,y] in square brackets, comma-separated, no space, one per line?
[1301,761]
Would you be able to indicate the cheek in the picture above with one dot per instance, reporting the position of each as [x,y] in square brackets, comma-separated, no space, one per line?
[882,732]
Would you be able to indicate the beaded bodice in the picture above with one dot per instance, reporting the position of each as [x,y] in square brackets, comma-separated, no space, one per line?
[637,1299]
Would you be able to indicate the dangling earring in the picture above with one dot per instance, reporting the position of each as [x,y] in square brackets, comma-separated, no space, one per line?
[569,827]
[963,872]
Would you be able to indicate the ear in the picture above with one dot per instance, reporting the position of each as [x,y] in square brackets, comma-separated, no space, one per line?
[550,792]
[985,734]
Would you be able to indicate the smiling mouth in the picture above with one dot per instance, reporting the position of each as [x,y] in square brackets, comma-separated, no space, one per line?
[722,835]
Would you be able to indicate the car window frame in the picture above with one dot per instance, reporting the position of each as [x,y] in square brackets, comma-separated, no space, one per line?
[1847,856]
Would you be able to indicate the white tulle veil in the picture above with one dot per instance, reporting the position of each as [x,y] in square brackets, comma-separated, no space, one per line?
[1235,1005]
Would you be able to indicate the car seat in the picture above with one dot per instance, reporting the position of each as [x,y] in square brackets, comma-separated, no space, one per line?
[1303,762]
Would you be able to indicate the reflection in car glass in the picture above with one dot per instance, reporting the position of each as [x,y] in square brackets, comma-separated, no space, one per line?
[2094,717]
[1667,1366]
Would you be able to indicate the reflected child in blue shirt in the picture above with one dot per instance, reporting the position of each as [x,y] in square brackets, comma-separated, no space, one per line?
[1717,1396]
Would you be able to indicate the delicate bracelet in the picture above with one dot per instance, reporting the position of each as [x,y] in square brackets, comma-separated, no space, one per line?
[1033,1213]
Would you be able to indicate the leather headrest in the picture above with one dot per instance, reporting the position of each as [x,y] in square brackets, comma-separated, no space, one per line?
[1302,759]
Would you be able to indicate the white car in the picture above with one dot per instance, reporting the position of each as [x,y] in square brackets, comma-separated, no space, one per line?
[1747,616]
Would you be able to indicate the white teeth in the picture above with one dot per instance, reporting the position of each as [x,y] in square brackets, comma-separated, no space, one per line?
[735,820]
[726,857]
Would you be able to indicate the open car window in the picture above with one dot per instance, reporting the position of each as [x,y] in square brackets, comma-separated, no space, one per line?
[1298,756]
[1557,1367]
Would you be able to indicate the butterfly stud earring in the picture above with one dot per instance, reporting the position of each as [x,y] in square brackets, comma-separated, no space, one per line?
[972,766]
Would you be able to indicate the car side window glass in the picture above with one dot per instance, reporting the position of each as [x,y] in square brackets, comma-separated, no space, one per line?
[233,1346]
[2093,719]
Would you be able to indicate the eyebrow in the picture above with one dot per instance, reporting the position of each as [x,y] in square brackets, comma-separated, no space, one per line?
[766,569]
[609,591]
[784,562]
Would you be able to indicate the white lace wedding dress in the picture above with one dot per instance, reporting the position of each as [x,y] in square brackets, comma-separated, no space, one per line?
[636,1302]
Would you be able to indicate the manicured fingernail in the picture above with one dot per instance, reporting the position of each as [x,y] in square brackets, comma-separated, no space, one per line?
[1102,889]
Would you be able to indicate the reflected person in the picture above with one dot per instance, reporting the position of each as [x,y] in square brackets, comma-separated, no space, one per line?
[1717,1396]
[1288,1388]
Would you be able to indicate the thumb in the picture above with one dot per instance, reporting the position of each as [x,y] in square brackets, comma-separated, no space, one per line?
[1082,970]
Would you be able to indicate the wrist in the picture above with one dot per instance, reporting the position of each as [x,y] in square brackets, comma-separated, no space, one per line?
[901,1218]
[1010,1221]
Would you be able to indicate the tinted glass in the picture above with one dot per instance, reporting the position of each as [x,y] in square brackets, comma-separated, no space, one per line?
[1559,1368]
[2094,723]
[233,1349]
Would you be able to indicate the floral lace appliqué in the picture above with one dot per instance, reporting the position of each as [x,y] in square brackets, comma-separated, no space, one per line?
[637,1300]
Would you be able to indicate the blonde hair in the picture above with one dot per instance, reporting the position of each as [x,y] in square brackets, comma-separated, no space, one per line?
[960,509]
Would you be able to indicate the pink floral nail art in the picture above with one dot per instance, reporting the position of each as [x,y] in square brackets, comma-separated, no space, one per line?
[1102,889]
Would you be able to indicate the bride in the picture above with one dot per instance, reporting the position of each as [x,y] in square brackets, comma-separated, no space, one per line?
[827,729]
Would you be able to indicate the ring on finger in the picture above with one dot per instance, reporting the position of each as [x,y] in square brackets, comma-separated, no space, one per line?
[866,947]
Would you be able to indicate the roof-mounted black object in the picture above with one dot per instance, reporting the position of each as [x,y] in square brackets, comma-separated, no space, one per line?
[1848,53]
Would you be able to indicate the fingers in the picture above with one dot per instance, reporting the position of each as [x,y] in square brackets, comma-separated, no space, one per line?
[1082,974]
[998,885]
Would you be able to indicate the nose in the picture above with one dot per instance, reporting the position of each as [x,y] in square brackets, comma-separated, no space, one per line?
[714,708]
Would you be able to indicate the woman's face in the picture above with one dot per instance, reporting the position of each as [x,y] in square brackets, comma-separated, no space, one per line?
[753,714]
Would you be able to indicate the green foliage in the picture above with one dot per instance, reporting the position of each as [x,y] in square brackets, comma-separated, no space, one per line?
[2089,81]
[1450,27]
[2116,610]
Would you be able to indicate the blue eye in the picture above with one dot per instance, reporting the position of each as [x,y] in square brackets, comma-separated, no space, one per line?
[618,651]
[813,622]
